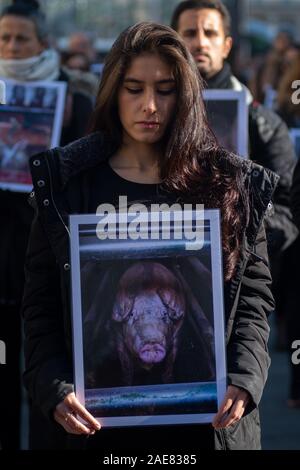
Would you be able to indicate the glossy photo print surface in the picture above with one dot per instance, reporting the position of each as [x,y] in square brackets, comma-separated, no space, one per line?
[148,323]
[30,122]
[2,92]
[295,136]
[227,113]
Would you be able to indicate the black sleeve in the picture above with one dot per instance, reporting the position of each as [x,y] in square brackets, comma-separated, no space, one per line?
[295,196]
[48,368]
[82,108]
[271,147]
[247,354]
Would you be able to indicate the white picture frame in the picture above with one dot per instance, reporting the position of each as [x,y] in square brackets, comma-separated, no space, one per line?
[98,270]
[227,113]
[30,123]
[2,93]
[295,137]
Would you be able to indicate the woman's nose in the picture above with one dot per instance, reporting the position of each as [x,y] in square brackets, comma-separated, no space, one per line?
[150,104]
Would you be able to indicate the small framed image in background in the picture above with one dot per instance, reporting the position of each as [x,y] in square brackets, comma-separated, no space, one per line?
[2,92]
[30,122]
[295,136]
[227,113]
[148,322]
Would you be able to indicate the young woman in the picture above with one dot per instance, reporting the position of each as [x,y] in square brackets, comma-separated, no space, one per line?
[149,140]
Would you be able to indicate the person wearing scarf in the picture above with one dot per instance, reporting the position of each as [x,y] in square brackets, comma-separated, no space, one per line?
[44,66]
[24,56]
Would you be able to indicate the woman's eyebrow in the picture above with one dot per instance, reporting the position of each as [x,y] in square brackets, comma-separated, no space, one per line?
[135,80]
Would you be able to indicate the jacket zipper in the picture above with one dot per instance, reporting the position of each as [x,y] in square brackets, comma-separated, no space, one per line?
[53,201]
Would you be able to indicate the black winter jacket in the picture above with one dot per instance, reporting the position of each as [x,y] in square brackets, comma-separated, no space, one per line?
[271,147]
[295,196]
[60,178]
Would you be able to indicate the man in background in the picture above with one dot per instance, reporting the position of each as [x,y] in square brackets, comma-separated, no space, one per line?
[205,27]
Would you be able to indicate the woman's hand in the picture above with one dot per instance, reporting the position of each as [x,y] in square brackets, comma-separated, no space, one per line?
[232,407]
[66,413]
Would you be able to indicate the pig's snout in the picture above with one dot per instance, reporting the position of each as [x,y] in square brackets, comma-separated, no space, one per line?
[152,353]
[153,345]
[147,340]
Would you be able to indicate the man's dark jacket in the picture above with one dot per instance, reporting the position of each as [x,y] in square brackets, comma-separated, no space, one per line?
[61,186]
[271,147]
[295,196]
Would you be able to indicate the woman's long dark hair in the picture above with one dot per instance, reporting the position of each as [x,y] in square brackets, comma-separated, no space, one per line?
[193,166]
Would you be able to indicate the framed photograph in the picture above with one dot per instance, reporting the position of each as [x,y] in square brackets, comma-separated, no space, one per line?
[295,136]
[270,97]
[30,122]
[2,92]
[148,320]
[227,112]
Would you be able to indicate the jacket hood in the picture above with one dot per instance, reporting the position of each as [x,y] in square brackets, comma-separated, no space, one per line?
[66,162]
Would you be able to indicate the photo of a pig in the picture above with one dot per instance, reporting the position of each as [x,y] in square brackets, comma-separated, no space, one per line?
[149,311]
[146,323]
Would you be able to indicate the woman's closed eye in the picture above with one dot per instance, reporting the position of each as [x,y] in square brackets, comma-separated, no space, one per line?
[135,91]
[166,92]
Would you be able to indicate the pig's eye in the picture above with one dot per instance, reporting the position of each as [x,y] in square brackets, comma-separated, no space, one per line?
[164,314]
[172,314]
[131,315]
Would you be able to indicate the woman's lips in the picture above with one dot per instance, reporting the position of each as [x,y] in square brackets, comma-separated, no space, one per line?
[148,125]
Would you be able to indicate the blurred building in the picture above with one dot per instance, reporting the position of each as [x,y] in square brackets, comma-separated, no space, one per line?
[105,19]
[281,14]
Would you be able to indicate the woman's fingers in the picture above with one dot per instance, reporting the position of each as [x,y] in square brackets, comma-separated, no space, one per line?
[235,414]
[84,414]
[232,407]
[67,412]
[72,425]
[225,406]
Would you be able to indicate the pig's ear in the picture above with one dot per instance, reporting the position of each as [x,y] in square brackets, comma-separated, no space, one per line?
[176,312]
[122,307]
[174,301]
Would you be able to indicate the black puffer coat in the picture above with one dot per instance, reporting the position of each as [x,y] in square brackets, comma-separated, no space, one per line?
[270,146]
[61,183]
[295,196]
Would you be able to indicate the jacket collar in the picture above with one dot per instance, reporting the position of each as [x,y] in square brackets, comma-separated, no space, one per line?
[221,80]
[224,80]
[82,154]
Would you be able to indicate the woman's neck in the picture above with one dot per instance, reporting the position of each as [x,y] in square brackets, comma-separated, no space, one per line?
[138,163]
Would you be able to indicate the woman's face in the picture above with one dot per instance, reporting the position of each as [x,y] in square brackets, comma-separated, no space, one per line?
[18,38]
[147,99]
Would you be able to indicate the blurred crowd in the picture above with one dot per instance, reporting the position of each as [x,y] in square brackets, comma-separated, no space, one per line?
[272,80]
